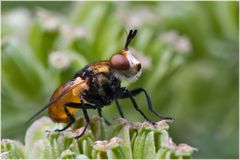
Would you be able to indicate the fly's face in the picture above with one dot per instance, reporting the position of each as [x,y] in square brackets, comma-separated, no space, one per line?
[125,65]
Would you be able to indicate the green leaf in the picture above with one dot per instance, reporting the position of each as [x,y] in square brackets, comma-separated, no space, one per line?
[17,68]
[43,44]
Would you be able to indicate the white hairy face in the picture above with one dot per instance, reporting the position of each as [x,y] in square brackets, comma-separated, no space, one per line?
[125,65]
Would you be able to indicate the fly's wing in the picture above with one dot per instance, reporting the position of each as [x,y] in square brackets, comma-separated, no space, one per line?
[72,86]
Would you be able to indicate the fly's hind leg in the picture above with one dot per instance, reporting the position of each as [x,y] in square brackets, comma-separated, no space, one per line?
[71,118]
[87,120]
[84,108]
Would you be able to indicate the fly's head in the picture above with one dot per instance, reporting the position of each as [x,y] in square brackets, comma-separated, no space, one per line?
[124,64]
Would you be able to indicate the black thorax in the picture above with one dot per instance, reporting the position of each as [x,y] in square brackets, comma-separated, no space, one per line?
[103,87]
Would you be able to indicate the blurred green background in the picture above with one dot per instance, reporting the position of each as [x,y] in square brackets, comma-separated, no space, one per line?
[189,52]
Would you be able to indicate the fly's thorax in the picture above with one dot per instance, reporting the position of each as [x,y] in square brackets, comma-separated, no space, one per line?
[125,65]
[104,82]
[93,69]
[103,87]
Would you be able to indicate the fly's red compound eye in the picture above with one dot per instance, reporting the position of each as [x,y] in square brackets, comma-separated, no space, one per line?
[119,61]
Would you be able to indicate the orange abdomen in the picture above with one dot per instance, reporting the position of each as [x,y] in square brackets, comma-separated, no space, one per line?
[56,110]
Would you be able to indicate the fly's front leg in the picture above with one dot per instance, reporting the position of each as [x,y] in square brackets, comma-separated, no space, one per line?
[125,93]
[150,106]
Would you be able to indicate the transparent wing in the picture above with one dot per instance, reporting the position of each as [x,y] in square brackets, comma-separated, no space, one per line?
[78,81]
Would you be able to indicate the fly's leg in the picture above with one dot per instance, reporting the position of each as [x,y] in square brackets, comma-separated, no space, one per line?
[80,105]
[139,90]
[99,103]
[71,118]
[119,108]
[100,115]
[126,93]
[87,121]
[84,108]
[88,106]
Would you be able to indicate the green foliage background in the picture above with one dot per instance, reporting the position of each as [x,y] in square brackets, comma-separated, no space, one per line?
[197,86]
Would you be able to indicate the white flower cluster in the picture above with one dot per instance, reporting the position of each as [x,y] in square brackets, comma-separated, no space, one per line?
[15,23]
[180,43]
[71,32]
[59,60]
[136,18]
[48,21]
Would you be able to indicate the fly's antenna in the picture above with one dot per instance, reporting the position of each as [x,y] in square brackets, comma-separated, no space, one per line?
[131,35]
